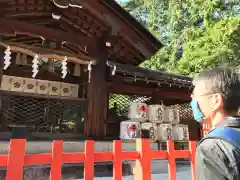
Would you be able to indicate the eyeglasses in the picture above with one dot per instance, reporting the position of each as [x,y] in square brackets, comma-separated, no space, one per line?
[202,95]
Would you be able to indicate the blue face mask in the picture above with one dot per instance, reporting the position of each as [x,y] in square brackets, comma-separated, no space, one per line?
[197,113]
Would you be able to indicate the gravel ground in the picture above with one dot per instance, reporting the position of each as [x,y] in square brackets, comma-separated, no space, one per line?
[182,173]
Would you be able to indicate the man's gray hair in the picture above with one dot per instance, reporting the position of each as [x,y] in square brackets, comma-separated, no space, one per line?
[225,81]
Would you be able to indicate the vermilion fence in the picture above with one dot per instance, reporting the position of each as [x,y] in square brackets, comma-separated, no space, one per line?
[206,127]
[17,159]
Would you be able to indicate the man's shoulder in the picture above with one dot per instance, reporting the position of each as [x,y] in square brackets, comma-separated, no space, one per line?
[216,158]
[214,144]
[222,150]
[211,145]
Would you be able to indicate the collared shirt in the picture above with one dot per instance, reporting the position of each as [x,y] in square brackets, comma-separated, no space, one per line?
[217,159]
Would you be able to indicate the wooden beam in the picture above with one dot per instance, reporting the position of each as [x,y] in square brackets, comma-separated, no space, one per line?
[100,10]
[37,4]
[158,83]
[26,72]
[43,96]
[14,26]
[44,52]
[26,14]
[151,74]
[137,90]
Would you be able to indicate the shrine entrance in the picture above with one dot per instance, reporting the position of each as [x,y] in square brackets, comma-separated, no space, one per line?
[53,68]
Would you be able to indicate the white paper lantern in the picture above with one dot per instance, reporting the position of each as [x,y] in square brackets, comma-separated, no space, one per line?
[180,132]
[138,111]
[165,132]
[156,113]
[152,129]
[130,130]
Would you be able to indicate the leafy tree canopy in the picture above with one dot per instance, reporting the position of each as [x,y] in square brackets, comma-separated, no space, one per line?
[197,34]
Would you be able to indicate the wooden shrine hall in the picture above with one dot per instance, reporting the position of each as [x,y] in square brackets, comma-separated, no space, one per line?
[127,83]
[62,60]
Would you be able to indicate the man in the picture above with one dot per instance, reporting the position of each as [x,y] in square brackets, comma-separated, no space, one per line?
[216,99]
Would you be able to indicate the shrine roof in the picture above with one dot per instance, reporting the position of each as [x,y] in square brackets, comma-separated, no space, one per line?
[137,74]
[171,88]
[69,26]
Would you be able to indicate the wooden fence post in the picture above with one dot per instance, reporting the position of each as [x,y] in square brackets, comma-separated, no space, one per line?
[89,160]
[56,165]
[16,159]
[117,160]
[143,170]
[171,160]
[192,149]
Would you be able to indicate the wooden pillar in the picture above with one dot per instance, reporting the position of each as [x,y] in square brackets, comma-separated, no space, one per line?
[2,49]
[94,125]
[82,83]
[81,94]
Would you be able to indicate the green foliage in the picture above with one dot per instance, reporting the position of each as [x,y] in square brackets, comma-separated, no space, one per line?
[197,34]
[215,46]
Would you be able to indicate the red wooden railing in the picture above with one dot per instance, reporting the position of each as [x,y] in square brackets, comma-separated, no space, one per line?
[206,128]
[17,159]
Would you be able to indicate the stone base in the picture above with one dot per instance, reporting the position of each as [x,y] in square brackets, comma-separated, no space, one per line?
[70,172]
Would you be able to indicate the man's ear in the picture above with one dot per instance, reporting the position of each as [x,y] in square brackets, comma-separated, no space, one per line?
[217,102]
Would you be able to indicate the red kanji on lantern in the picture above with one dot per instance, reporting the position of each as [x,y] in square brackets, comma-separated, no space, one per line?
[132,127]
[142,108]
